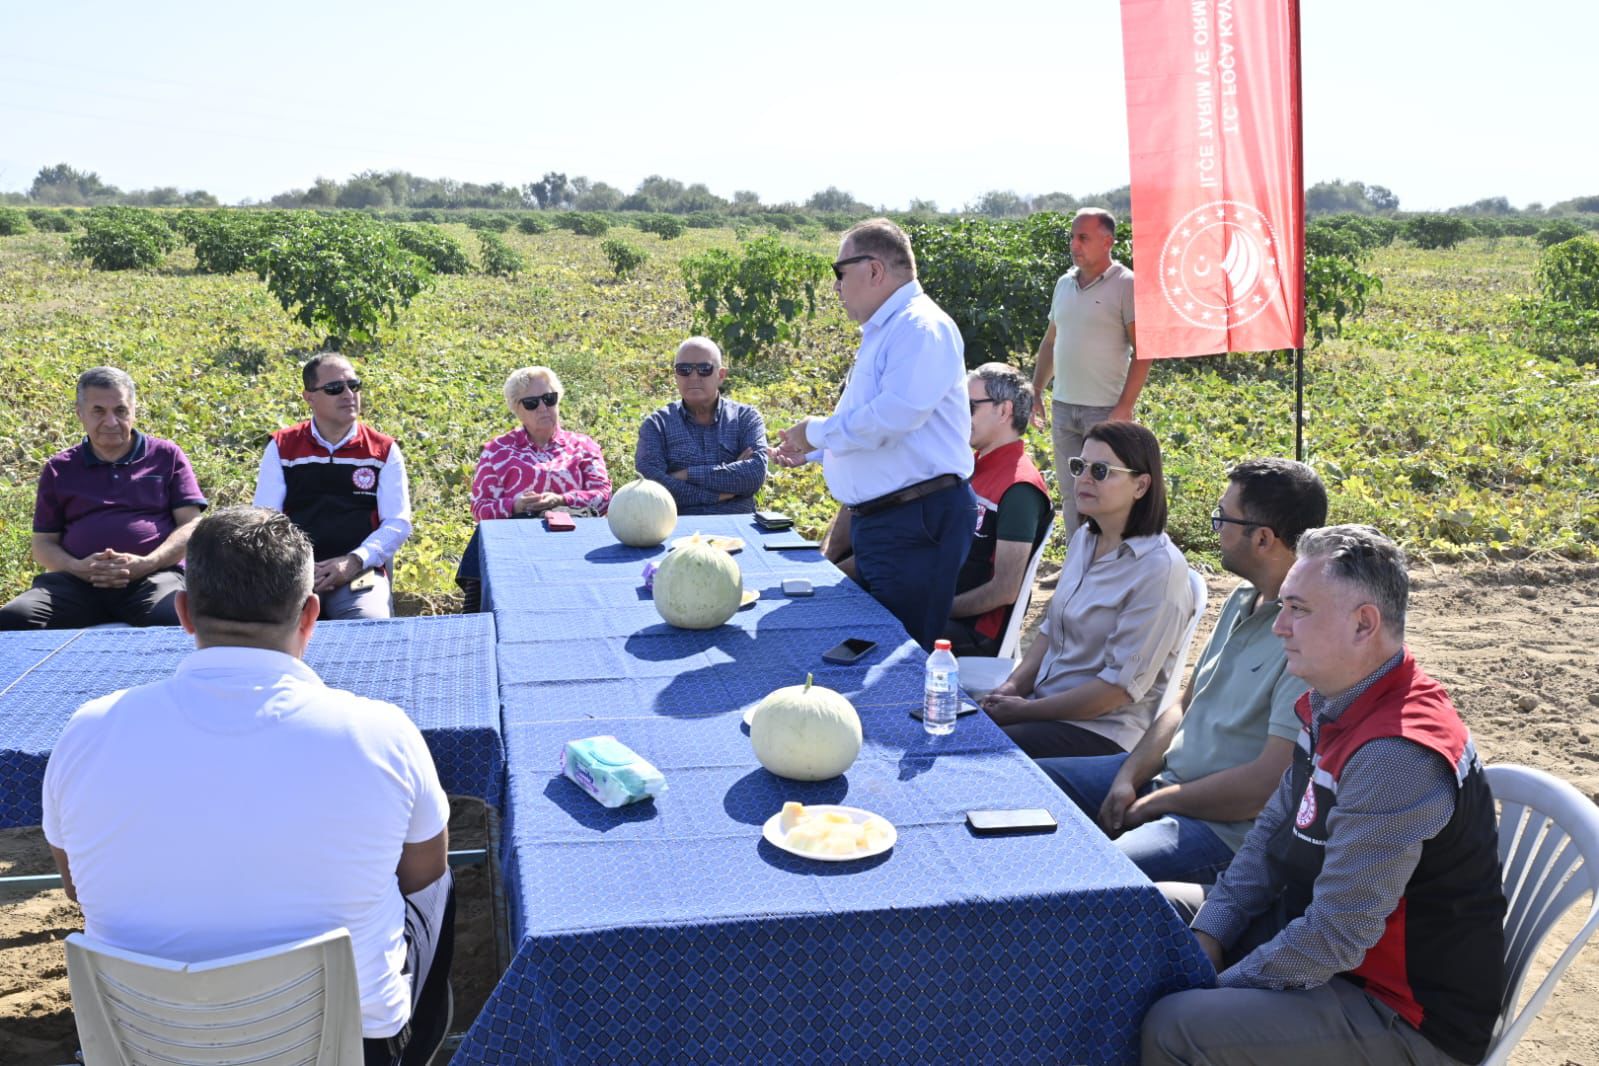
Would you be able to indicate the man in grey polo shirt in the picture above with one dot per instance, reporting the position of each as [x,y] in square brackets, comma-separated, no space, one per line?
[1088,348]
[1181,802]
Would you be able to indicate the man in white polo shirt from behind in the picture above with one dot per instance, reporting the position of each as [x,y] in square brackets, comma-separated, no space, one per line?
[241,804]
[1088,347]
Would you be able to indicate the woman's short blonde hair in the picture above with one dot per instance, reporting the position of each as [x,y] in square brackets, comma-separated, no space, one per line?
[521,380]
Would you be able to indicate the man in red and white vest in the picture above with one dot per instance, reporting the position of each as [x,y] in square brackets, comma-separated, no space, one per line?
[1013,510]
[343,483]
[1362,920]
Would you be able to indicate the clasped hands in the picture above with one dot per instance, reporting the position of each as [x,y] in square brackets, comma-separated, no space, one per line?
[110,569]
[795,445]
[532,502]
[330,574]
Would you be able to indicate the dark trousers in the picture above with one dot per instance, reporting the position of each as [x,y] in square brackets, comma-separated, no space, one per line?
[964,639]
[430,1007]
[1055,740]
[909,556]
[58,600]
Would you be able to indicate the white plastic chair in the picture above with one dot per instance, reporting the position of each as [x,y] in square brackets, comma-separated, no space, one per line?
[990,670]
[1549,850]
[294,1005]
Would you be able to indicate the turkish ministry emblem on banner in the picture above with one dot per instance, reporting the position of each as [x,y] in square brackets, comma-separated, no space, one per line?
[1218,191]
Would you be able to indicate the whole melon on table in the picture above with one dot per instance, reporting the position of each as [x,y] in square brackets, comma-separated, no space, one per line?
[806,732]
[641,514]
[697,586]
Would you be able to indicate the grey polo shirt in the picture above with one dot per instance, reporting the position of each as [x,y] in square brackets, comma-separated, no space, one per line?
[1119,619]
[1243,693]
[1092,352]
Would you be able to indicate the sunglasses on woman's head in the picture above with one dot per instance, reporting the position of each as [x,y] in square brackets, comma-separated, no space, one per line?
[1099,470]
[334,388]
[531,403]
[704,370]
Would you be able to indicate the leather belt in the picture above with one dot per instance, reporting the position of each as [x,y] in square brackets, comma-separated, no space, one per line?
[906,495]
[396,1044]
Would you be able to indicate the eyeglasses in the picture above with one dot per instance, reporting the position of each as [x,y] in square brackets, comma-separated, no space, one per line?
[336,388]
[1098,470]
[838,267]
[1218,519]
[974,403]
[704,370]
[531,403]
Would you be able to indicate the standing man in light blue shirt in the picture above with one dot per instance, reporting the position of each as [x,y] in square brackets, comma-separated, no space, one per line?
[896,450]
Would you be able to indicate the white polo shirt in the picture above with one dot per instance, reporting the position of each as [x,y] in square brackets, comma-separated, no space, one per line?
[242,804]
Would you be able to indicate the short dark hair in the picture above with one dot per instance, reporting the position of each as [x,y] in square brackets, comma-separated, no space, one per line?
[1137,449]
[248,565]
[1003,383]
[880,238]
[1284,496]
[1104,218]
[1368,560]
[313,366]
[106,377]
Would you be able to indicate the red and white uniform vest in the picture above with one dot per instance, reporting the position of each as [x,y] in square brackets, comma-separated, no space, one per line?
[993,475]
[333,497]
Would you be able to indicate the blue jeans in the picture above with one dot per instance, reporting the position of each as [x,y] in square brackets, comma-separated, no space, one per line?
[1172,848]
[909,556]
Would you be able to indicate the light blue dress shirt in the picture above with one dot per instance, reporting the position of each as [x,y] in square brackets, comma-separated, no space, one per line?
[904,416]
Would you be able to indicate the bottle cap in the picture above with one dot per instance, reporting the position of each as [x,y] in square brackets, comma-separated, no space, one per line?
[941,645]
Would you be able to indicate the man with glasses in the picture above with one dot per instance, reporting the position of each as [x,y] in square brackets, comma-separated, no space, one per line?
[111,520]
[708,451]
[1088,347]
[1363,918]
[344,483]
[896,450]
[1181,802]
[1013,510]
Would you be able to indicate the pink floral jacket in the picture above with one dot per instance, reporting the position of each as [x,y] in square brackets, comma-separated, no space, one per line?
[571,464]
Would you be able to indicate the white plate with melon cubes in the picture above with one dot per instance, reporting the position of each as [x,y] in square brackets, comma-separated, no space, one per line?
[731,545]
[828,832]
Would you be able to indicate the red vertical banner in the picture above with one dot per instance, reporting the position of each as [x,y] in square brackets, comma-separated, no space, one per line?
[1213,122]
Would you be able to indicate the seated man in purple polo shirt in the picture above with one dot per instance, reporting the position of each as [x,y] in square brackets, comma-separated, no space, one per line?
[111,520]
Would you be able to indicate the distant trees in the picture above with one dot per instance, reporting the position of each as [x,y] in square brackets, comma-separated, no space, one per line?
[1332,197]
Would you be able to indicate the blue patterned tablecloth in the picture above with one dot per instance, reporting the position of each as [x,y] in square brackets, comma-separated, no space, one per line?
[671,932]
[440,671]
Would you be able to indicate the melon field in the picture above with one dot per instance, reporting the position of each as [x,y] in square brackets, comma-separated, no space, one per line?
[1427,417]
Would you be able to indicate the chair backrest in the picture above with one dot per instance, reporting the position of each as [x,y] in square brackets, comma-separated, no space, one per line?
[1012,637]
[1174,684]
[1549,854]
[294,1005]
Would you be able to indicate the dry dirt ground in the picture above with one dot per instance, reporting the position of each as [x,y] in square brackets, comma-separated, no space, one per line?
[1517,644]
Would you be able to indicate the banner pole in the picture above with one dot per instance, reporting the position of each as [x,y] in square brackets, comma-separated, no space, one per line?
[1299,405]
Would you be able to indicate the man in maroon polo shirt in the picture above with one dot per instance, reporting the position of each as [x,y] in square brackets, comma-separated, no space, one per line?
[111,520]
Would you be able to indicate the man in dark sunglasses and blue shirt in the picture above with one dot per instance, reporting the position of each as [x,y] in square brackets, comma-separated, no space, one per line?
[708,451]
[344,484]
[897,448]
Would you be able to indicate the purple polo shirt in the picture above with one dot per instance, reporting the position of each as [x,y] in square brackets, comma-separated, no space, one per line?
[126,505]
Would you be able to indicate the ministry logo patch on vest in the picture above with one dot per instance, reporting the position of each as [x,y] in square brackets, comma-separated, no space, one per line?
[1307,807]
[364,478]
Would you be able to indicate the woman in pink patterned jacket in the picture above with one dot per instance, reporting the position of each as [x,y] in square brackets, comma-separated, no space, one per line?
[540,466]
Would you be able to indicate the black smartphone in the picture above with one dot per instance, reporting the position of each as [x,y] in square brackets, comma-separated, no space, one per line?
[773,520]
[791,545]
[849,651]
[1022,820]
[961,712]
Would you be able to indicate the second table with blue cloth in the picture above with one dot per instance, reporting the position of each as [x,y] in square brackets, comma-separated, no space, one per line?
[440,671]
[670,931]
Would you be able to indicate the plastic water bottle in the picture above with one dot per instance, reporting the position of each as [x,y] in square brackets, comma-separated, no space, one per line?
[941,692]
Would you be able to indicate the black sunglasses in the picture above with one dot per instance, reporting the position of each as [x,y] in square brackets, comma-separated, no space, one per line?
[334,388]
[838,267]
[704,370]
[974,403]
[531,403]
[1099,470]
[1218,519]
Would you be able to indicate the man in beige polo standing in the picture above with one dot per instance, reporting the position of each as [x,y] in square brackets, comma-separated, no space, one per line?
[1088,348]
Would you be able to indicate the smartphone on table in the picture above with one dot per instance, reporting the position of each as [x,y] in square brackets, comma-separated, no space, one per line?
[849,651]
[1019,820]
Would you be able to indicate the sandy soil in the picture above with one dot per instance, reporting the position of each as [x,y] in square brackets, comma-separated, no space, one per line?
[1517,644]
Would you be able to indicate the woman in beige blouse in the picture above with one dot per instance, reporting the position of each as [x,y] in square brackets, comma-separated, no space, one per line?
[1093,678]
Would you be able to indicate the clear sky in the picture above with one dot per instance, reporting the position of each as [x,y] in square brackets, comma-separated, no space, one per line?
[1442,103]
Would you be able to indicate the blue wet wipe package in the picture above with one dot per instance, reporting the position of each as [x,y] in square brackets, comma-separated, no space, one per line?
[610,771]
